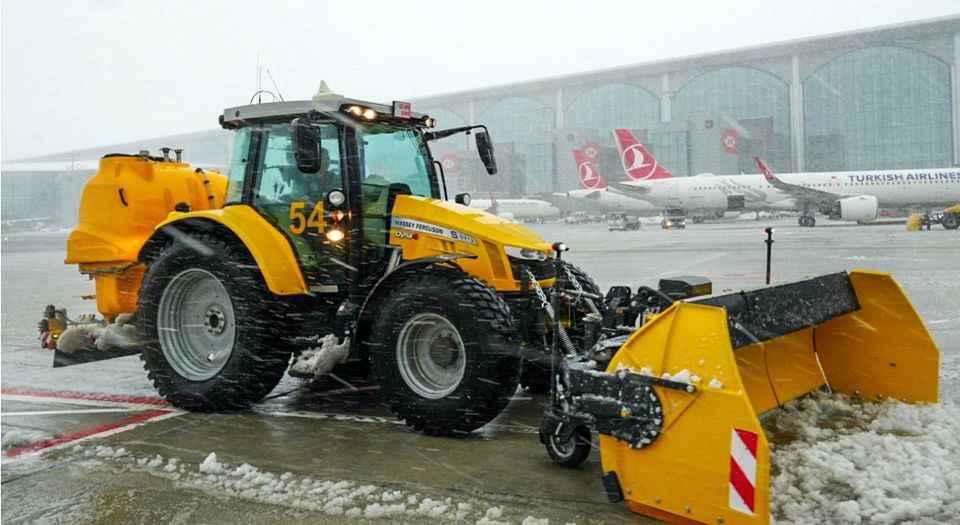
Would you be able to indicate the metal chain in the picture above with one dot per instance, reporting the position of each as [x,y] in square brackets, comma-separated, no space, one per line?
[561,331]
[576,284]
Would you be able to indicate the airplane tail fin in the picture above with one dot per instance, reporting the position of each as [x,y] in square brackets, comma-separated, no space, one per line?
[767,174]
[587,171]
[637,162]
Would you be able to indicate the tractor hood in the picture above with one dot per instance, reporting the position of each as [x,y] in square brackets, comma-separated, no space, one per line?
[460,219]
[427,227]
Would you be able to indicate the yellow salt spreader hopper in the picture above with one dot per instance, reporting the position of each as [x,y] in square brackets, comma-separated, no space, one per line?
[677,408]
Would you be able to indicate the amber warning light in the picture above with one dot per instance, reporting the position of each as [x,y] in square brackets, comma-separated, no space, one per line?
[401,109]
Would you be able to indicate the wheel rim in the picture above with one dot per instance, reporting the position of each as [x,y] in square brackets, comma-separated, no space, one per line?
[196,326]
[563,450]
[431,356]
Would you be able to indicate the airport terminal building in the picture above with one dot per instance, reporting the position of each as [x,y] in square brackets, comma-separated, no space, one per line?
[880,98]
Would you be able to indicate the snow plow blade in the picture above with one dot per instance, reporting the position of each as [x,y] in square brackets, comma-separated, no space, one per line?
[699,454]
[61,359]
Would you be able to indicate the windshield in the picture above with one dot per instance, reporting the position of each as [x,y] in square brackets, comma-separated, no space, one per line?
[395,156]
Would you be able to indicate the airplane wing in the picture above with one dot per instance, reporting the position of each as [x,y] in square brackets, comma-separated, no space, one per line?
[625,188]
[28,219]
[800,193]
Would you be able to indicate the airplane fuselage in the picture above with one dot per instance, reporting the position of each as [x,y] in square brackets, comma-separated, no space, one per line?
[519,208]
[612,201]
[891,188]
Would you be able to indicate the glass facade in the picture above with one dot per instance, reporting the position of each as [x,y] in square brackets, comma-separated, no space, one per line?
[878,108]
[513,120]
[740,92]
[613,106]
[670,150]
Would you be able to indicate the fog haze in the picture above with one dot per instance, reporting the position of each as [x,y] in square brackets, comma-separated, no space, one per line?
[85,74]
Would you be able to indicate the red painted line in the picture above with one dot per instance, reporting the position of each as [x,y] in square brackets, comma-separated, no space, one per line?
[41,445]
[87,397]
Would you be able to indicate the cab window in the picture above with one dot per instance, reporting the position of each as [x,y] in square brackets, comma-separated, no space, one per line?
[394,156]
[281,181]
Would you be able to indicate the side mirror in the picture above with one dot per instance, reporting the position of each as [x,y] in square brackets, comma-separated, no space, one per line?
[485,148]
[306,146]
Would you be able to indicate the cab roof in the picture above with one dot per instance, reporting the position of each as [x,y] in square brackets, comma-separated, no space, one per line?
[240,116]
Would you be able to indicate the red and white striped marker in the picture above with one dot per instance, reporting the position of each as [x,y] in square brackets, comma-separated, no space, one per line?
[743,471]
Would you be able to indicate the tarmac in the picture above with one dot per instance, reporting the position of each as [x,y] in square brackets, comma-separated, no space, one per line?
[95,444]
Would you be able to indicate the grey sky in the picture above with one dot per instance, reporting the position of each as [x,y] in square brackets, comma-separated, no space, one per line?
[89,73]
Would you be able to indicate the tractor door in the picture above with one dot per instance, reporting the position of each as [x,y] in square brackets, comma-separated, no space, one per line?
[294,200]
[392,161]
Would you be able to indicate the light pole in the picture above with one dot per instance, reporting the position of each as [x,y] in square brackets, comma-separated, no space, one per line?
[769,231]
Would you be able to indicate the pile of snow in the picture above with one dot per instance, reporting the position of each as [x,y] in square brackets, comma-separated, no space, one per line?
[837,460]
[331,497]
[16,438]
[320,360]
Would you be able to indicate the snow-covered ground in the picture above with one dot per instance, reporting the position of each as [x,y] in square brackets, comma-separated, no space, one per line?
[833,461]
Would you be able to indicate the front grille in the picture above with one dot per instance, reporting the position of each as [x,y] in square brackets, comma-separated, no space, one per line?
[541,269]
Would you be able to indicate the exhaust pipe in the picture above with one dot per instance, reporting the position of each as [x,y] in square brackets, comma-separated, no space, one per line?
[179,153]
[166,154]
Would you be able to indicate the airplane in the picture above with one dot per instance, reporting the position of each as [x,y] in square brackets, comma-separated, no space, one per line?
[513,209]
[30,223]
[596,192]
[637,162]
[845,195]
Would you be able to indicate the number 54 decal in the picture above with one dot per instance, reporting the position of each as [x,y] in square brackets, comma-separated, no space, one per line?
[299,221]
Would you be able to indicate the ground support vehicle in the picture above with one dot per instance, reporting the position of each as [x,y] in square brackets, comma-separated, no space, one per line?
[674,218]
[675,388]
[328,240]
[621,221]
[950,218]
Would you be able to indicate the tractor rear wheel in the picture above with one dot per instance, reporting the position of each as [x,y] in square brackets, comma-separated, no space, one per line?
[442,347]
[204,314]
[951,221]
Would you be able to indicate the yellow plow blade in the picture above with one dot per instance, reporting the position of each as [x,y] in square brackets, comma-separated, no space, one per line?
[745,354]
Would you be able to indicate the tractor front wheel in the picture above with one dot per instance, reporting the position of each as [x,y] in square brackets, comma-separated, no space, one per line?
[441,346]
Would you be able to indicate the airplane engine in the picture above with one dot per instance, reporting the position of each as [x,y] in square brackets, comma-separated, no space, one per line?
[507,216]
[859,208]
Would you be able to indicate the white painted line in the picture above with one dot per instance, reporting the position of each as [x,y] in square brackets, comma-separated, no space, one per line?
[67,412]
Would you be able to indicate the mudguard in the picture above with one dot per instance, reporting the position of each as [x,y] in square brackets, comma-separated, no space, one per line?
[269,247]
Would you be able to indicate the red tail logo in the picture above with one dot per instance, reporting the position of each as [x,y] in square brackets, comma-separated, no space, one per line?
[637,162]
[589,176]
[767,174]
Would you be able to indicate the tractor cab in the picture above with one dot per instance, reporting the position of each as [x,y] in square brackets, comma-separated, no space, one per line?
[327,172]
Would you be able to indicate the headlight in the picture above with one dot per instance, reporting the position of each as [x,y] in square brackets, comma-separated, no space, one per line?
[525,253]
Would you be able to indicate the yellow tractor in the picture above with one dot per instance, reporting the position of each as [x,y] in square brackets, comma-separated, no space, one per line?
[331,221]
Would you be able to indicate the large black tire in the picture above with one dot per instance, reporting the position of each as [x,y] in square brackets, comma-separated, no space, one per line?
[252,362]
[951,221]
[536,375]
[480,321]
